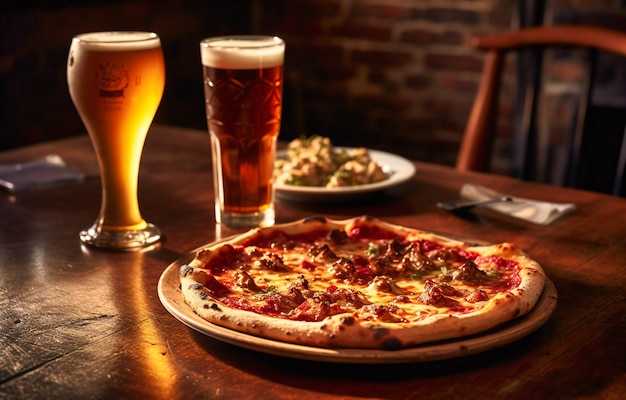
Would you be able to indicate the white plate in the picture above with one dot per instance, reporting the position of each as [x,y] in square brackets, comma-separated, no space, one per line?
[171,297]
[399,168]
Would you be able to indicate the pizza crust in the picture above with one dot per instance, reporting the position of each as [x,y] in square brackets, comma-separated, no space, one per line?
[346,330]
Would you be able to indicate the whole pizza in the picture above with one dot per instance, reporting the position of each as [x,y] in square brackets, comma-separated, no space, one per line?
[358,283]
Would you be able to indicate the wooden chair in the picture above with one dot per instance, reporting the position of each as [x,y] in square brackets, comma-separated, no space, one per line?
[476,147]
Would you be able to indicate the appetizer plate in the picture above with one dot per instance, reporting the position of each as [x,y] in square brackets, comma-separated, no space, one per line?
[398,168]
[172,299]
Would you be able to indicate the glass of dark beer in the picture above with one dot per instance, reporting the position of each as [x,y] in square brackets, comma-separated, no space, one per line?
[243,84]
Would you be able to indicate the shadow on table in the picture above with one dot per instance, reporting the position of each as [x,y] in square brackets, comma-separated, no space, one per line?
[363,380]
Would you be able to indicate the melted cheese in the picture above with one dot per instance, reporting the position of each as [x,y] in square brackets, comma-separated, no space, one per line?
[395,296]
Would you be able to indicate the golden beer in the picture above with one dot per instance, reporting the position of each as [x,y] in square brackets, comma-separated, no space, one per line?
[116,82]
[243,79]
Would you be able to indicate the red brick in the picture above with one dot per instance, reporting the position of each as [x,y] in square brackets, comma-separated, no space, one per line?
[436,106]
[392,12]
[418,81]
[501,18]
[314,54]
[302,8]
[378,77]
[453,62]
[392,102]
[332,73]
[428,37]
[298,27]
[418,36]
[382,58]
[363,31]
[445,15]
[450,38]
[455,83]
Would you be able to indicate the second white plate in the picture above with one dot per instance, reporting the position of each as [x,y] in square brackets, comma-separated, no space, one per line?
[400,170]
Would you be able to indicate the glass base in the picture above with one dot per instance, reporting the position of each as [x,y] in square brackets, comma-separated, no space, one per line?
[238,221]
[121,240]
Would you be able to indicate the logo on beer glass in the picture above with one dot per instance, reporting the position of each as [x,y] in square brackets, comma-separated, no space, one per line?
[111,79]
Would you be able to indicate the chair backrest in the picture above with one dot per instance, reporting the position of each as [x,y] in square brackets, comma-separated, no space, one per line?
[477,144]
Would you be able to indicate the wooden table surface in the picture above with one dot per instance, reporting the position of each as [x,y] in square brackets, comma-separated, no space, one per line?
[77,322]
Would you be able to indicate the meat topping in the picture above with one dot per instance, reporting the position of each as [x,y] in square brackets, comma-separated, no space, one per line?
[436,294]
[243,280]
[381,312]
[322,253]
[343,268]
[272,262]
[469,273]
[314,309]
[477,295]
[385,284]
[337,236]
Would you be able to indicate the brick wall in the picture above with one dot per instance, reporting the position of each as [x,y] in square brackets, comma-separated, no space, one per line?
[399,75]
[396,75]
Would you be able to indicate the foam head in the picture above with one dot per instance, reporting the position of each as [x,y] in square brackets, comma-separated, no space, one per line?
[115,41]
[243,52]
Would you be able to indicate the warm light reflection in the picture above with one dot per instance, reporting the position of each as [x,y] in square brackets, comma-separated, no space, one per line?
[150,357]
[223,232]
[156,352]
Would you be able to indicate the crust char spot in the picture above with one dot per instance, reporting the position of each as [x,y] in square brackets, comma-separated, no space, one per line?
[185,270]
[349,320]
[391,344]
[379,332]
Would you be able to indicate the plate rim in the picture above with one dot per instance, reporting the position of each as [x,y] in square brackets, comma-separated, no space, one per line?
[407,171]
[168,289]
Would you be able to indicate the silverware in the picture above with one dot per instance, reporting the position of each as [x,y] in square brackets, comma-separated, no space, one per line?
[465,206]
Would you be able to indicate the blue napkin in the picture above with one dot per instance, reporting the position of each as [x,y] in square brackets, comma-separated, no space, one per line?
[44,172]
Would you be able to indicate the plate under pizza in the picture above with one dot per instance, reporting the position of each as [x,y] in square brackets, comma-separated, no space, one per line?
[169,290]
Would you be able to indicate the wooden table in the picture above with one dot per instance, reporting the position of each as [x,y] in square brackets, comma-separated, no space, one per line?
[77,322]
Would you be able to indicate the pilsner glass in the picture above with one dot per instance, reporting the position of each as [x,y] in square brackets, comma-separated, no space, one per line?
[116,82]
[243,82]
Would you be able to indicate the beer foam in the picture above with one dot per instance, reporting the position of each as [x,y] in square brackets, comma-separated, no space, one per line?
[113,41]
[239,53]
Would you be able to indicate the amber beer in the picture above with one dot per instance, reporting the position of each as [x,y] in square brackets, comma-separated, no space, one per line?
[243,79]
[116,82]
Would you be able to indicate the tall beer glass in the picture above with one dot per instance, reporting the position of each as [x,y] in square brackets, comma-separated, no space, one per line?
[243,83]
[116,82]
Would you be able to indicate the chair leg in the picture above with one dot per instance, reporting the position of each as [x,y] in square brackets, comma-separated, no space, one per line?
[618,184]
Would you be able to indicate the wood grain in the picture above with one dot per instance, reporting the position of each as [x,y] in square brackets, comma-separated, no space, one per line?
[77,322]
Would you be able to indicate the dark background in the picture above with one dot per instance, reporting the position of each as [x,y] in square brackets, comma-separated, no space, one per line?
[398,76]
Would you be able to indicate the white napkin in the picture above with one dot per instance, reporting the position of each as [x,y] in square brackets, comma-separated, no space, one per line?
[44,172]
[538,212]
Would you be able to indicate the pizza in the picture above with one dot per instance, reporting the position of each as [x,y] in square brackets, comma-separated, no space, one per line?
[360,283]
